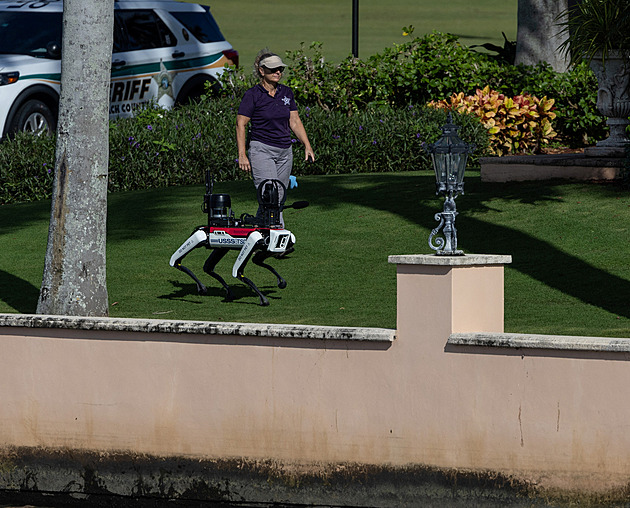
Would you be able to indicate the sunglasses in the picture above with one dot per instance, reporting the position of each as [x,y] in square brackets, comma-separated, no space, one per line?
[274,70]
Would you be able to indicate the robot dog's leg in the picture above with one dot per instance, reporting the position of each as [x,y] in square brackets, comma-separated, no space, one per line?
[259,259]
[215,256]
[197,239]
[201,289]
[254,240]
[263,299]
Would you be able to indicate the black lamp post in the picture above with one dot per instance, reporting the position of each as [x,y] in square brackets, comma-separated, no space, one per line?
[449,155]
[355,28]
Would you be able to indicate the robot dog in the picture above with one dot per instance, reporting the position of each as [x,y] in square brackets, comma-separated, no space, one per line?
[261,236]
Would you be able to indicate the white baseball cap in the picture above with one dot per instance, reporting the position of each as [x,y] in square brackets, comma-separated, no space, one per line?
[271,62]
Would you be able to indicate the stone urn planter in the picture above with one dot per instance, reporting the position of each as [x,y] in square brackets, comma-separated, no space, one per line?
[613,101]
[598,32]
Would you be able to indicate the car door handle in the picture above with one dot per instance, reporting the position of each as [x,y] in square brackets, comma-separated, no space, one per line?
[178,54]
[118,63]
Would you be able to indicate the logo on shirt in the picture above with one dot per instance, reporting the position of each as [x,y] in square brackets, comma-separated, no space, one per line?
[286,100]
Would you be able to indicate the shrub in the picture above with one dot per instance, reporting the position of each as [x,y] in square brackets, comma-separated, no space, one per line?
[431,67]
[578,122]
[163,148]
[379,139]
[26,168]
[349,86]
[434,67]
[518,124]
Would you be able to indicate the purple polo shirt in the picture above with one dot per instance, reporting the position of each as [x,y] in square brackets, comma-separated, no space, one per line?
[269,115]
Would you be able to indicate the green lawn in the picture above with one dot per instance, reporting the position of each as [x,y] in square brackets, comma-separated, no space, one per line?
[282,25]
[568,241]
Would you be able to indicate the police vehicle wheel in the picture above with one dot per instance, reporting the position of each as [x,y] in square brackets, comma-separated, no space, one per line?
[34,116]
[193,92]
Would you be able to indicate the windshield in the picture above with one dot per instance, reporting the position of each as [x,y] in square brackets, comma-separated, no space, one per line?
[30,33]
[201,24]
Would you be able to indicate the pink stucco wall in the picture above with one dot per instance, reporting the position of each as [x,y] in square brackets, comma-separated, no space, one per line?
[556,417]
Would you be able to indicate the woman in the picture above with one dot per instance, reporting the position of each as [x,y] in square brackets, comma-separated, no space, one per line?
[271,109]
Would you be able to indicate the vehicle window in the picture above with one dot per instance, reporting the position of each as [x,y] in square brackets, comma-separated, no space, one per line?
[201,24]
[30,33]
[140,29]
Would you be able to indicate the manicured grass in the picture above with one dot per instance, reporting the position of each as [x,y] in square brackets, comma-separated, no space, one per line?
[282,25]
[568,241]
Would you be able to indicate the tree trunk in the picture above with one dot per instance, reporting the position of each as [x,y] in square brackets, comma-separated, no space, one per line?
[538,35]
[74,272]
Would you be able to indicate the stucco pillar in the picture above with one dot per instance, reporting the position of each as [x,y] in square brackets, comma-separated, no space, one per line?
[450,294]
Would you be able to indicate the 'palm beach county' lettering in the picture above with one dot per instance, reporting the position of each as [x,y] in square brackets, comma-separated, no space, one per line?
[122,93]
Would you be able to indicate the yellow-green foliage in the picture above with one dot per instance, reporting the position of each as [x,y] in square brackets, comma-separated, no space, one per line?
[518,124]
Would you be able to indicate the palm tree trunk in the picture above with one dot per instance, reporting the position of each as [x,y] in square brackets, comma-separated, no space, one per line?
[74,272]
[538,35]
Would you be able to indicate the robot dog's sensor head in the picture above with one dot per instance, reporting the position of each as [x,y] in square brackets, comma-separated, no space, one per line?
[220,206]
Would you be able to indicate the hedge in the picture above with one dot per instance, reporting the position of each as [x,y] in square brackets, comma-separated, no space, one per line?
[164,148]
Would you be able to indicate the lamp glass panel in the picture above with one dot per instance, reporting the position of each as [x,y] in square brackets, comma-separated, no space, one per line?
[452,166]
[461,167]
[440,165]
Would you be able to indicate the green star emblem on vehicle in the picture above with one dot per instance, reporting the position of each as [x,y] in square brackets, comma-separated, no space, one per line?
[164,80]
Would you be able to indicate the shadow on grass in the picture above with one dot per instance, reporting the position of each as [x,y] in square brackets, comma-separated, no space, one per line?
[557,269]
[406,196]
[18,293]
[139,214]
[142,214]
[23,215]
[410,196]
[183,291]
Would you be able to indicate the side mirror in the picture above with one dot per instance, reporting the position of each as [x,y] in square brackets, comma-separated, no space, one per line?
[54,50]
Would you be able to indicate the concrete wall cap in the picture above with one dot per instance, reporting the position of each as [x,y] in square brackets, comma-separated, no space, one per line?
[288,331]
[534,341]
[466,260]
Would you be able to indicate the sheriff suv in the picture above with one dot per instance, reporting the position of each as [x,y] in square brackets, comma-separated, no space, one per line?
[164,53]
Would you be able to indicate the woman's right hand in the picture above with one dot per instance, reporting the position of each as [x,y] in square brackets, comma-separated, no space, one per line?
[241,139]
[243,163]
